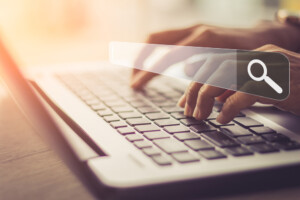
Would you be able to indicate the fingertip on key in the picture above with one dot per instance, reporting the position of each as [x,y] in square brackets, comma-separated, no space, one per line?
[181,101]
[136,84]
[197,114]
[188,110]
[222,119]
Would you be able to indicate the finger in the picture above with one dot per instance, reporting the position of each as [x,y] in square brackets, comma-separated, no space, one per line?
[234,104]
[141,79]
[222,98]
[181,102]
[133,73]
[191,98]
[143,55]
[166,37]
[174,56]
[205,101]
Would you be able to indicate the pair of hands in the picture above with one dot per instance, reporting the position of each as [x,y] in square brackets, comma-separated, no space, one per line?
[198,99]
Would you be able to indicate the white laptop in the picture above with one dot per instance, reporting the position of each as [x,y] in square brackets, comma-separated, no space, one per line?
[126,144]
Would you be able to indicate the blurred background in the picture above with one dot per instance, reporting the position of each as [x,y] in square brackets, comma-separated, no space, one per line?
[50,31]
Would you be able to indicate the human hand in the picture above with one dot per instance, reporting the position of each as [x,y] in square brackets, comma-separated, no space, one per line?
[217,37]
[198,99]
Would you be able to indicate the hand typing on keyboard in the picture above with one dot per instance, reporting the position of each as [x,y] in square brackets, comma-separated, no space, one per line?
[198,99]
[150,120]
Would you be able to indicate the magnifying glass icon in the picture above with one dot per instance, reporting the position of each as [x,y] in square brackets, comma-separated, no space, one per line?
[264,76]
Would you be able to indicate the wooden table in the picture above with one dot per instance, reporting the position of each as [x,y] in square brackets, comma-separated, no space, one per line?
[28,168]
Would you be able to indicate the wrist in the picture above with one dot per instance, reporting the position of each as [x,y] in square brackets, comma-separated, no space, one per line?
[283,35]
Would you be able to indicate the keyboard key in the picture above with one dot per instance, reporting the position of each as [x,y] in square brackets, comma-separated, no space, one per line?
[138,121]
[134,137]
[247,122]
[158,99]
[131,97]
[166,122]
[147,128]
[275,137]
[126,130]
[156,135]
[198,145]
[138,104]
[185,157]
[103,93]
[155,116]
[89,99]
[106,112]
[261,130]
[172,109]
[111,118]
[99,106]
[126,91]
[186,136]
[220,139]
[118,124]
[204,127]
[150,93]
[93,101]
[130,115]
[213,115]
[191,121]
[251,139]
[218,125]
[161,160]
[145,110]
[211,154]
[142,144]
[170,145]
[173,95]
[263,148]
[162,88]
[235,131]
[151,151]
[179,115]
[238,151]
[116,103]
[287,145]
[121,109]
[82,92]
[165,103]
[240,115]
[176,129]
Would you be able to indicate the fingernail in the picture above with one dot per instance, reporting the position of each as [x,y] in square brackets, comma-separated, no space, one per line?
[197,113]
[188,110]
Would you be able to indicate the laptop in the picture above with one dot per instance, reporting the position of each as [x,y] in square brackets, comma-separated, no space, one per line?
[126,144]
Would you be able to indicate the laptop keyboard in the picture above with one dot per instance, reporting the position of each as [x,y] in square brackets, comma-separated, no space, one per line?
[155,125]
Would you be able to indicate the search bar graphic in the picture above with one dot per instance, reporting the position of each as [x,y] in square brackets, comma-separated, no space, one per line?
[264,74]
